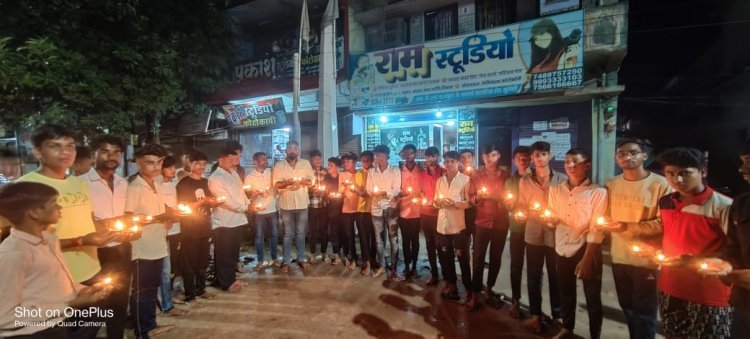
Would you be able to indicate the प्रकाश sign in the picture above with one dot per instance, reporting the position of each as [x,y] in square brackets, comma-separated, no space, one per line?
[262,113]
[536,55]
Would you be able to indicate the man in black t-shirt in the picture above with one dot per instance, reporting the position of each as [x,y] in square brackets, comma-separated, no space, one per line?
[196,228]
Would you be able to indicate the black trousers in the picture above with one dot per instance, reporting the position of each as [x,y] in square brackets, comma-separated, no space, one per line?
[347,222]
[317,219]
[428,224]
[226,253]
[334,228]
[638,297]
[194,264]
[517,256]
[117,262]
[494,239]
[537,257]
[366,236]
[452,246]
[410,236]
[592,288]
[470,215]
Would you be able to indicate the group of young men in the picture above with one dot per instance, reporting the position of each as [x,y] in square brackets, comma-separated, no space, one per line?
[678,248]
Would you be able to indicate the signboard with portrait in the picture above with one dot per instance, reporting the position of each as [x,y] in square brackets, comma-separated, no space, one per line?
[535,55]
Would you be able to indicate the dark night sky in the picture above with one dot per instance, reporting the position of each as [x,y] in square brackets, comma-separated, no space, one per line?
[684,79]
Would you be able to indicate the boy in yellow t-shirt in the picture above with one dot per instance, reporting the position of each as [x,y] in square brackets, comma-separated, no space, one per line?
[55,148]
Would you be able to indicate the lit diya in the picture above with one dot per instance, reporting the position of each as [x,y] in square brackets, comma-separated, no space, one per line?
[183,209]
[519,215]
[135,229]
[136,219]
[425,202]
[409,190]
[604,224]
[468,169]
[107,281]
[483,191]
[334,195]
[247,187]
[119,226]
[714,266]
[536,206]
[219,199]
[509,196]
[149,218]
[547,214]
[414,200]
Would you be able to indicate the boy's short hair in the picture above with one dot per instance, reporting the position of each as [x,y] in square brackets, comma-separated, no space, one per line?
[100,140]
[18,198]
[745,149]
[349,156]
[489,148]
[409,147]
[50,132]
[382,149]
[466,150]
[451,154]
[292,142]
[623,142]
[522,150]
[257,155]
[230,147]
[683,157]
[197,156]
[336,161]
[169,161]
[151,149]
[432,151]
[315,153]
[367,154]
[541,146]
[579,151]
[83,152]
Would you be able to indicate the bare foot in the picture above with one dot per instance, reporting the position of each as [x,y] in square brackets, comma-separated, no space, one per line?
[160,330]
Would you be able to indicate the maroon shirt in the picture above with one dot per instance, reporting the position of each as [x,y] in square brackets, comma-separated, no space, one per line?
[491,213]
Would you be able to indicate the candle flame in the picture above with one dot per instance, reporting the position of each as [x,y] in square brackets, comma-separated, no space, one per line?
[375,189]
[601,221]
[414,200]
[247,187]
[135,228]
[547,213]
[107,280]
[424,202]
[468,168]
[509,196]
[408,189]
[636,248]
[149,218]
[484,189]
[536,206]
[136,219]
[704,265]
[440,196]
[660,257]
[119,225]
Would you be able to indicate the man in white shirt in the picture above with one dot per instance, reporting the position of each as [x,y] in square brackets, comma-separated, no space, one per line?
[292,177]
[452,199]
[264,205]
[384,186]
[170,267]
[146,197]
[575,206]
[108,193]
[228,218]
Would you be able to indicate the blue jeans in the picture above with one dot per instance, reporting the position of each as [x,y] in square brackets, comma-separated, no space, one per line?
[262,223]
[143,295]
[637,294]
[165,289]
[295,223]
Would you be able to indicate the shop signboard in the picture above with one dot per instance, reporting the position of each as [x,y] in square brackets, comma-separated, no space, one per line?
[398,137]
[262,113]
[467,129]
[536,55]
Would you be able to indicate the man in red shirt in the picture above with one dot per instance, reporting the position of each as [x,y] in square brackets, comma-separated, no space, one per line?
[487,188]
[692,303]
[409,206]
[428,214]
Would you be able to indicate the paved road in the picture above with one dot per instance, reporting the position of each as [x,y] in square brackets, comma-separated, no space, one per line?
[332,302]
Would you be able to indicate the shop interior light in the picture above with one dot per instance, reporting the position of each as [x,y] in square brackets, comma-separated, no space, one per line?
[451,123]
[287,129]
[439,114]
[383,119]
